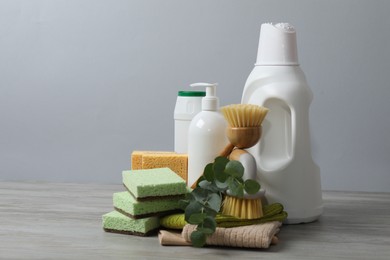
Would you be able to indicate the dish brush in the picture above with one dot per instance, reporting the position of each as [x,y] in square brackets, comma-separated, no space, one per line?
[243,132]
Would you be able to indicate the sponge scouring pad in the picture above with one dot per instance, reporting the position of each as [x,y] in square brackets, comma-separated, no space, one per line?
[118,223]
[125,203]
[159,159]
[152,183]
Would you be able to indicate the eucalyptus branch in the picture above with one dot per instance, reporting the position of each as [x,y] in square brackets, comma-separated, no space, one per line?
[204,202]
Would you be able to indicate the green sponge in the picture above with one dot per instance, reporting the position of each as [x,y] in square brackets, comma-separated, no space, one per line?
[151,183]
[118,223]
[125,203]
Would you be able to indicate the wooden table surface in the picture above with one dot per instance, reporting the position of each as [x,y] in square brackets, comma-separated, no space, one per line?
[63,221]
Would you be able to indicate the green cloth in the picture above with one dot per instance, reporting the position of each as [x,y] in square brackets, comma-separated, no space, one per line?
[272,212]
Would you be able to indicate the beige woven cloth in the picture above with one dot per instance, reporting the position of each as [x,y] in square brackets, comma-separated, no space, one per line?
[252,236]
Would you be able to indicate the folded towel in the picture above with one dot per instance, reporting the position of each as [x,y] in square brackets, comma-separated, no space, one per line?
[252,236]
[172,238]
[272,212]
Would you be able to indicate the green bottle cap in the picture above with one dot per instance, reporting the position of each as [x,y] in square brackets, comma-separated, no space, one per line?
[191,93]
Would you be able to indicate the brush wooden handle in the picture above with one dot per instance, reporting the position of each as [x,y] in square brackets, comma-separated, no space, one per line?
[236,154]
[227,150]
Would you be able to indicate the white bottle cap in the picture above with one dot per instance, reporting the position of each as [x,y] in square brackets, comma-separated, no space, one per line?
[277,45]
[210,102]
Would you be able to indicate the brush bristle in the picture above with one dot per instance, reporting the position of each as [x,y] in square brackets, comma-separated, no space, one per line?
[244,115]
[242,208]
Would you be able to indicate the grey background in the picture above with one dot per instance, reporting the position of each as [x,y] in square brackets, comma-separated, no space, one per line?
[84,83]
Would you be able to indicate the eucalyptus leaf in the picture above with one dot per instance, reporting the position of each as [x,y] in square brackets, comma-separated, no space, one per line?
[210,212]
[183,204]
[206,231]
[219,166]
[214,201]
[200,194]
[210,223]
[197,218]
[222,186]
[193,207]
[251,186]
[236,189]
[221,160]
[209,172]
[201,178]
[221,176]
[235,169]
[206,185]
[198,238]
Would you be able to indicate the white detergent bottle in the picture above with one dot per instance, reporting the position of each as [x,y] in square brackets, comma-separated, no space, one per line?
[283,155]
[206,134]
[188,104]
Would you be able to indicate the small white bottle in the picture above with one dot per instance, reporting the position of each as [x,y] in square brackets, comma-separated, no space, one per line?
[206,134]
[284,163]
[188,104]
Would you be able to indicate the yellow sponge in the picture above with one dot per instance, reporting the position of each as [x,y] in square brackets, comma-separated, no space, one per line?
[160,159]
[136,158]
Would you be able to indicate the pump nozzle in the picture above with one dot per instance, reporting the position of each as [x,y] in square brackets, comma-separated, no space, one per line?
[210,102]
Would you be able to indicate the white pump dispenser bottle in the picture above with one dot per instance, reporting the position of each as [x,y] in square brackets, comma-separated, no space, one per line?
[206,134]
[283,156]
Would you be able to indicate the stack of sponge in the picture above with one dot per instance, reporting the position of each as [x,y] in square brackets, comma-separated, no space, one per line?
[149,195]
